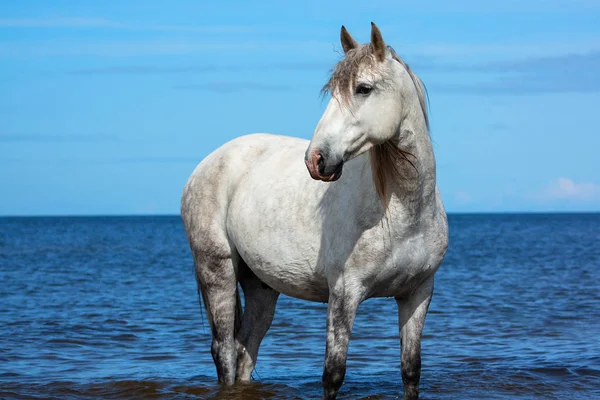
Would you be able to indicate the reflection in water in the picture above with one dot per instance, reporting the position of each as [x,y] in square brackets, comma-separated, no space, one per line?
[107,308]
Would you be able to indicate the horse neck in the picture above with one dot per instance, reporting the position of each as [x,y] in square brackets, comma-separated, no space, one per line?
[413,137]
[409,180]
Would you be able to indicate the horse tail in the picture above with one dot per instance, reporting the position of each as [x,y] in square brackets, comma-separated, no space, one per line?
[202,300]
[238,312]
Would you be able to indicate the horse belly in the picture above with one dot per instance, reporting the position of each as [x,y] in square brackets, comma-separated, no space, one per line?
[292,279]
[280,248]
[284,265]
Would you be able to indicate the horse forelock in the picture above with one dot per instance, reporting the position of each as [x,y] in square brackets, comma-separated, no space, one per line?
[387,157]
[344,73]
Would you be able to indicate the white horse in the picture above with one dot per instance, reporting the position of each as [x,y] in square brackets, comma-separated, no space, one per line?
[253,215]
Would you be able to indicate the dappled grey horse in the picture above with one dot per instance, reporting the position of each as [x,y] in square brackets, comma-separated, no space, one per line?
[253,215]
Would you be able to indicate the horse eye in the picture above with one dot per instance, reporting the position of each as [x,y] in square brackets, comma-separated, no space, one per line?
[363,89]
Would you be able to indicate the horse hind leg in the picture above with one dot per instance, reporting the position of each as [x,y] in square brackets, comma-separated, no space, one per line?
[259,308]
[217,282]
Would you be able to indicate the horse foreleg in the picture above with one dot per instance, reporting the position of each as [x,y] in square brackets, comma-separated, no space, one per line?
[259,309]
[341,311]
[411,315]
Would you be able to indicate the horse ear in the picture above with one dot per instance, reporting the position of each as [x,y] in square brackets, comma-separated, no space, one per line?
[377,43]
[348,42]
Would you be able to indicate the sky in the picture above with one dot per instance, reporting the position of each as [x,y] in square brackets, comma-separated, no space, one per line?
[106,107]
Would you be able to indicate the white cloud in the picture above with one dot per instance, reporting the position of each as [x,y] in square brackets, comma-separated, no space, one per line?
[567,189]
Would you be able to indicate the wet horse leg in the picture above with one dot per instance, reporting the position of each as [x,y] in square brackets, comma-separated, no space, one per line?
[259,309]
[411,317]
[218,283]
[341,311]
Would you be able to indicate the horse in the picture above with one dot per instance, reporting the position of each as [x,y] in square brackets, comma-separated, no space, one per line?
[253,216]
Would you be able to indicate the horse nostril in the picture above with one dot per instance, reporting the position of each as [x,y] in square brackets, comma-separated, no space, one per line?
[320,163]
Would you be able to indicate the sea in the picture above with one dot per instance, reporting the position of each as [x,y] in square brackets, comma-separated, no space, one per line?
[107,308]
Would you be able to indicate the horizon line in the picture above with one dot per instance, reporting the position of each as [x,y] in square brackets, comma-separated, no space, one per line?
[179,215]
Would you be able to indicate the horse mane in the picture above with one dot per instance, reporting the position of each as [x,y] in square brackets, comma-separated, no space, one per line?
[385,157]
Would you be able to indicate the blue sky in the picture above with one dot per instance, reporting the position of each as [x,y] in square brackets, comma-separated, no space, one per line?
[107,106]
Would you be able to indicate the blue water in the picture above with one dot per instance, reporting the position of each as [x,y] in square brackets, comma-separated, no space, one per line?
[107,308]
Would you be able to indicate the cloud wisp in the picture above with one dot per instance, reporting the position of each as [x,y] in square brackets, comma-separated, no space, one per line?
[131,48]
[197,69]
[574,73]
[158,160]
[59,22]
[104,23]
[233,87]
[56,138]
[67,160]
[568,189]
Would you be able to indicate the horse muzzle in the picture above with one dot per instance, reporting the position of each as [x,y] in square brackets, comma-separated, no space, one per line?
[321,168]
